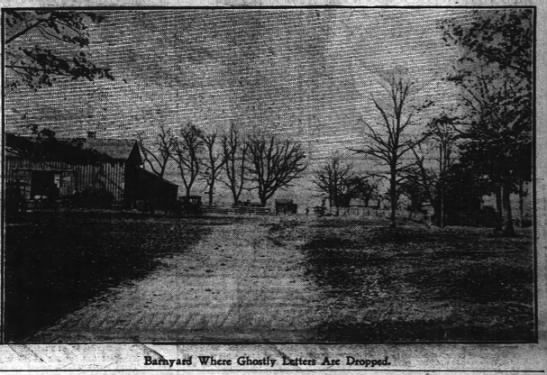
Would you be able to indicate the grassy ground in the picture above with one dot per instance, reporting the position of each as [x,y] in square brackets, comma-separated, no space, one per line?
[112,276]
[414,283]
[55,263]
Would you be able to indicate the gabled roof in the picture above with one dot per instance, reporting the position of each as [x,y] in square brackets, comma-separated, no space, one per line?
[71,149]
[117,149]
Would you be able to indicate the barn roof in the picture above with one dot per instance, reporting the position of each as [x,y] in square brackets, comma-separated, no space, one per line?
[117,149]
[72,149]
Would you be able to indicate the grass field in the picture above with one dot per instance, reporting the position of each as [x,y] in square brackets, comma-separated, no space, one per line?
[364,282]
[56,263]
[413,283]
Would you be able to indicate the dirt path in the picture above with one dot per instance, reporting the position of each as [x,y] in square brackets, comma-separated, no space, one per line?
[234,285]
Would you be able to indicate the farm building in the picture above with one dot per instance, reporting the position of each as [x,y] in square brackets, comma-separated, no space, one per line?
[49,168]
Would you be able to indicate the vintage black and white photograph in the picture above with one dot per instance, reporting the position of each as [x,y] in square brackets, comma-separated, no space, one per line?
[307,175]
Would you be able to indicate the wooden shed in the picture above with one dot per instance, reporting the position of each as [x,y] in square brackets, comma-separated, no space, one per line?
[42,168]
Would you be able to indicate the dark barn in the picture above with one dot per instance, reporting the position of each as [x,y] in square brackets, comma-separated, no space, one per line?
[153,191]
[88,171]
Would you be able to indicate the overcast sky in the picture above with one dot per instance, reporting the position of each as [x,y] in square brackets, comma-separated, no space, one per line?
[308,73]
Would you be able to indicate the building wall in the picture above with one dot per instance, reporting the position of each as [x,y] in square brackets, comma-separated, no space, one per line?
[109,176]
[142,185]
[69,178]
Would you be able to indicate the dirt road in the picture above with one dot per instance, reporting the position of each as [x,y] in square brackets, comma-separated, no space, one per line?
[235,284]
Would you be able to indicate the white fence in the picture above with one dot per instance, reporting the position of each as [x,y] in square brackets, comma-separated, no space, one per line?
[240,210]
[375,212]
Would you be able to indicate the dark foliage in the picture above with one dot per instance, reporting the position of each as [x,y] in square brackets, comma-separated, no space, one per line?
[494,72]
[464,189]
[61,39]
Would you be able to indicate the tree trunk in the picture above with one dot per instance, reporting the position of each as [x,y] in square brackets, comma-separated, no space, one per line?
[521,203]
[263,199]
[211,193]
[393,197]
[499,208]
[508,228]
[188,191]
[235,198]
[442,169]
[441,207]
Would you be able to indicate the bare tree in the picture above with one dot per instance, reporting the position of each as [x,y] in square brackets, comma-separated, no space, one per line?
[387,143]
[331,179]
[234,149]
[212,162]
[157,155]
[274,163]
[188,154]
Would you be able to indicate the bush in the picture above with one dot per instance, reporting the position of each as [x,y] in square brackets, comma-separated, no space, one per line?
[485,217]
